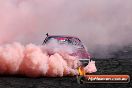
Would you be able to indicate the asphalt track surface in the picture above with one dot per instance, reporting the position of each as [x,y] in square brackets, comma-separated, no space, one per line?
[104,66]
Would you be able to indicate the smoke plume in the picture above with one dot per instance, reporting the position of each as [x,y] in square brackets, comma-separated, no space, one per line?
[103,25]
[34,61]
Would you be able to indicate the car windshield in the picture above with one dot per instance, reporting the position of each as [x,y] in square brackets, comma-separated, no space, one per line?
[67,40]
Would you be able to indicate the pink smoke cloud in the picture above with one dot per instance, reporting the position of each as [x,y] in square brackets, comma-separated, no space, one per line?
[35,61]
[102,23]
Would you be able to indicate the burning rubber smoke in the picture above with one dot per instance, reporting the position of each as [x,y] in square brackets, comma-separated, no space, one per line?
[34,61]
[103,25]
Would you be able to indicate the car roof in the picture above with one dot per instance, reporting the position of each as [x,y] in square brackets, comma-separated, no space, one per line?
[62,36]
[66,36]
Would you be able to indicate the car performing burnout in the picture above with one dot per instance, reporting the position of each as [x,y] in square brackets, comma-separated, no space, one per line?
[75,43]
